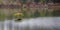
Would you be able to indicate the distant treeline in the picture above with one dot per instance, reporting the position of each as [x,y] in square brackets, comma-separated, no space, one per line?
[26,1]
[9,6]
[54,1]
[18,6]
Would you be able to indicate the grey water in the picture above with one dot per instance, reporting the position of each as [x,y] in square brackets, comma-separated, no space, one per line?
[40,23]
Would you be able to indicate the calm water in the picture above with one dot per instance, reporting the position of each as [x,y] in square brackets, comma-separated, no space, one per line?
[48,23]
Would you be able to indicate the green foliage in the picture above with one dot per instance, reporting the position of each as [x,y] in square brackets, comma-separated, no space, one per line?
[36,0]
[50,13]
[1,1]
[10,17]
[36,14]
[2,16]
[42,13]
[43,0]
[56,13]
[25,14]
[24,1]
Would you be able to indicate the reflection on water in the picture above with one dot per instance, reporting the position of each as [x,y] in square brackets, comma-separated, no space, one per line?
[43,23]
